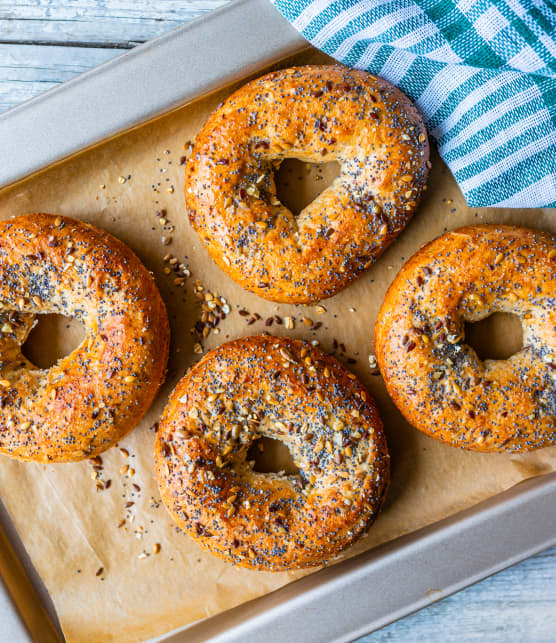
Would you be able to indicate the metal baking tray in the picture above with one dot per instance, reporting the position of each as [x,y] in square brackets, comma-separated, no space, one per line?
[356,596]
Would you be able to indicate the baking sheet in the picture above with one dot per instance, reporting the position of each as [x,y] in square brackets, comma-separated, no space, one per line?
[362,594]
[57,510]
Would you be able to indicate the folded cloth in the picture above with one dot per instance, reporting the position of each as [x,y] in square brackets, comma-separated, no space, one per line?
[482,72]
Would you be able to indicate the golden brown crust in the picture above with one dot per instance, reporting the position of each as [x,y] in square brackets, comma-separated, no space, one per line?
[287,390]
[316,114]
[435,379]
[95,395]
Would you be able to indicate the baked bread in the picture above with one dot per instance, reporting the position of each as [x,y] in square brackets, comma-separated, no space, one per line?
[95,395]
[315,114]
[290,391]
[436,379]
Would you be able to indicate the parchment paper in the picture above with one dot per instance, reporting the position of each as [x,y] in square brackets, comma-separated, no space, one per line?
[71,530]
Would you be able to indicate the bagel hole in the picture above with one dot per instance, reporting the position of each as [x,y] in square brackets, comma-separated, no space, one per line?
[299,183]
[53,337]
[498,336]
[271,456]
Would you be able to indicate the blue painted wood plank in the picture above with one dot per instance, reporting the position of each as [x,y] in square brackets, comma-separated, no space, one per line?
[27,70]
[107,22]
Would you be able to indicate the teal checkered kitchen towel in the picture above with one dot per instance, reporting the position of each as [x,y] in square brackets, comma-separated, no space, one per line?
[482,72]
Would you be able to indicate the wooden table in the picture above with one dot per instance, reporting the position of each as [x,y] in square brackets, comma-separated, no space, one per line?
[45,42]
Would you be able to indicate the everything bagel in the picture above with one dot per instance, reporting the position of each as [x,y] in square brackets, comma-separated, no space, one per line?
[95,395]
[315,114]
[287,390]
[435,379]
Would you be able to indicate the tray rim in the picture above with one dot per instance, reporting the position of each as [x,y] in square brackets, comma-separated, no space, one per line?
[112,98]
[123,79]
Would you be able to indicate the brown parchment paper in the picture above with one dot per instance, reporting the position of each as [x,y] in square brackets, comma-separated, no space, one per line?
[71,530]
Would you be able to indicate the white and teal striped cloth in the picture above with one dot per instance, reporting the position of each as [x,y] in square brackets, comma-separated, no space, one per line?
[482,72]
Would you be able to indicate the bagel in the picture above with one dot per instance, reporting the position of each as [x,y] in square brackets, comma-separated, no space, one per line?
[95,395]
[287,390]
[435,379]
[315,114]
